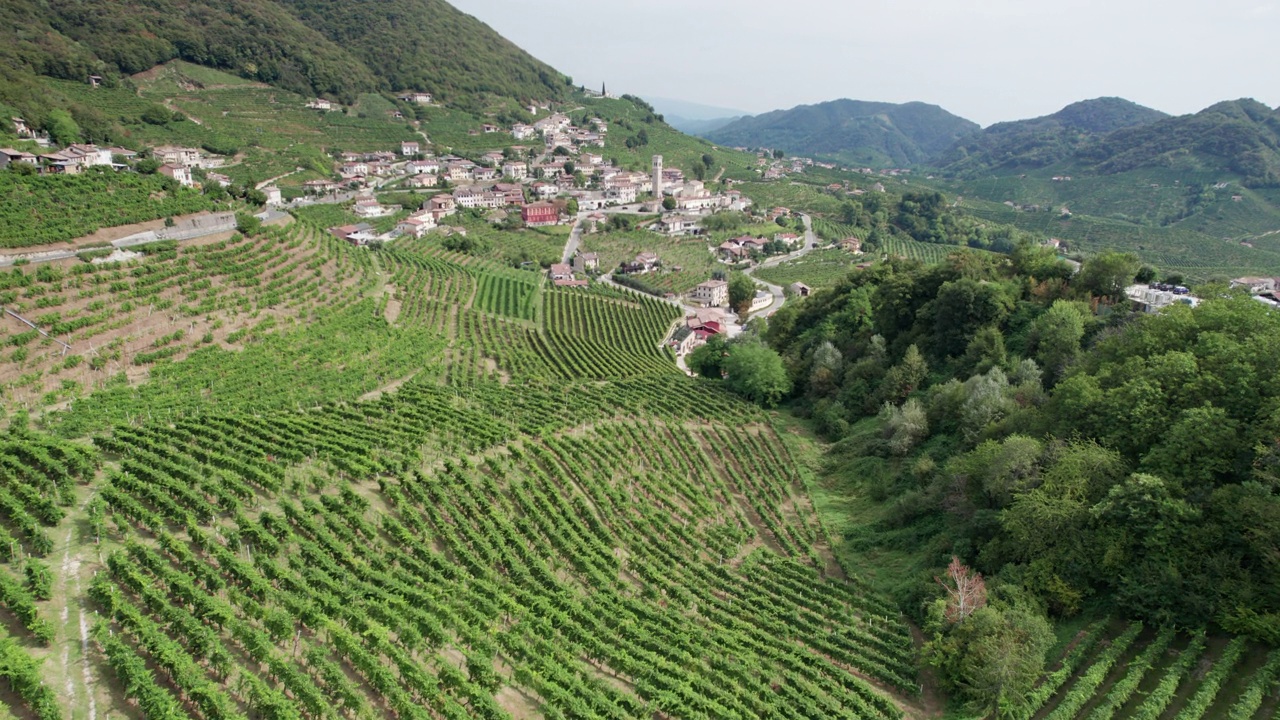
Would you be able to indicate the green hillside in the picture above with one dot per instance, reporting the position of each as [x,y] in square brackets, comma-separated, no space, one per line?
[857,132]
[1027,144]
[309,47]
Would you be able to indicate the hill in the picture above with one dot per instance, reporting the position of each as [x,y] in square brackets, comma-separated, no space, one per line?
[1240,138]
[311,47]
[1035,143]
[866,133]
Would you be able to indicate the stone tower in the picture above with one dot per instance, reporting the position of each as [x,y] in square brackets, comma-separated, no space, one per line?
[657,176]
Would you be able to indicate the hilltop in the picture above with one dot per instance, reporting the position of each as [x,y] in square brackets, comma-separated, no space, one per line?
[865,133]
[1025,144]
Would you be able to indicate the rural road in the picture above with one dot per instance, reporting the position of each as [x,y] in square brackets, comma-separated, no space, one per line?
[203,227]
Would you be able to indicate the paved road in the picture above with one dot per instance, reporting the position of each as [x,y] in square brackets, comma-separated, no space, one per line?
[778,296]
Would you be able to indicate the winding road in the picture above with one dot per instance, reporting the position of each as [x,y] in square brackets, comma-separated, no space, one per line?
[733,330]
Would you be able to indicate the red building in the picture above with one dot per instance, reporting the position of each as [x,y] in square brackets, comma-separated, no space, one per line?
[536,214]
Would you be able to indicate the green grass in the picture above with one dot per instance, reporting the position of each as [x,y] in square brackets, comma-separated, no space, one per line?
[689,254]
[818,269]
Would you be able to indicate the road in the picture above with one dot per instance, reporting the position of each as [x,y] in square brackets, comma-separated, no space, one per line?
[778,296]
[209,225]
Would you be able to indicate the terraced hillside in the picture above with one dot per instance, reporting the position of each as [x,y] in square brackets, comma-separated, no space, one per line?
[411,483]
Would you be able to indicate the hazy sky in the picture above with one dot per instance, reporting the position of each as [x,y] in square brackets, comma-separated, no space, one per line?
[987,61]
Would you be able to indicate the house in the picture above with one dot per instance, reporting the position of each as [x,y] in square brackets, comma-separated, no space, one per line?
[786,238]
[218,178]
[409,148]
[9,155]
[586,262]
[546,190]
[371,208]
[648,260]
[512,193]
[459,171]
[441,205]
[420,98]
[515,170]
[418,167]
[676,225]
[560,271]
[20,127]
[319,187]
[732,252]
[1255,285]
[416,225]
[320,104]
[174,155]
[354,169]
[712,293]
[355,234]
[699,317]
[422,181]
[799,289]
[624,193]
[177,172]
[540,213]
[683,341]
[476,198]
[521,131]
[852,244]
[493,159]
[489,128]
[274,197]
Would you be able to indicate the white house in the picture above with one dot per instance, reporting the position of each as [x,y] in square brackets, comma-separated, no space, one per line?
[515,170]
[520,131]
[420,98]
[274,198]
[409,148]
[712,293]
[320,104]
[177,172]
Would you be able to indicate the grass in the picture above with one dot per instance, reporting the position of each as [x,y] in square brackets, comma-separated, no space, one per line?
[818,269]
[689,254]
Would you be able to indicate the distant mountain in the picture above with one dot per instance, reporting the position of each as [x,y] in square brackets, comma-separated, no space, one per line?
[1028,144]
[693,126]
[685,109]
[868,133]
[336,48]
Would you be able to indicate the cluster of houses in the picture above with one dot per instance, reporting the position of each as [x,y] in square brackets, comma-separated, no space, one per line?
[747,247]
[175,161]
[699,326]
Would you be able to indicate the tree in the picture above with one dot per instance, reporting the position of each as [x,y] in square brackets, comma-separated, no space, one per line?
[966,592]
[1146,274]
[1055,337]
[778,154]
[993,658]
[247,224]
[1107,273]
[708,359]
[741,292]
[708,160]
[756,372]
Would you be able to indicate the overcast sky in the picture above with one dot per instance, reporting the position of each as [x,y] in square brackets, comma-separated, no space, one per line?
[987,60]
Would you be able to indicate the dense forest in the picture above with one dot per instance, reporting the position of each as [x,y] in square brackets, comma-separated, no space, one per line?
[311,47]
[1022,420]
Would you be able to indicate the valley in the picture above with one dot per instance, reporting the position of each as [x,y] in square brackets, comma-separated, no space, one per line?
[355,363]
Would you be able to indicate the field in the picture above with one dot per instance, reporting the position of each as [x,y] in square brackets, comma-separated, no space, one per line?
[818,269]
[448,491]
[691,255]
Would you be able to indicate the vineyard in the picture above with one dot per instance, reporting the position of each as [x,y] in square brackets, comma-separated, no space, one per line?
[817,269]
[46,209]
[93,322]
[1129,672]
[414,483]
